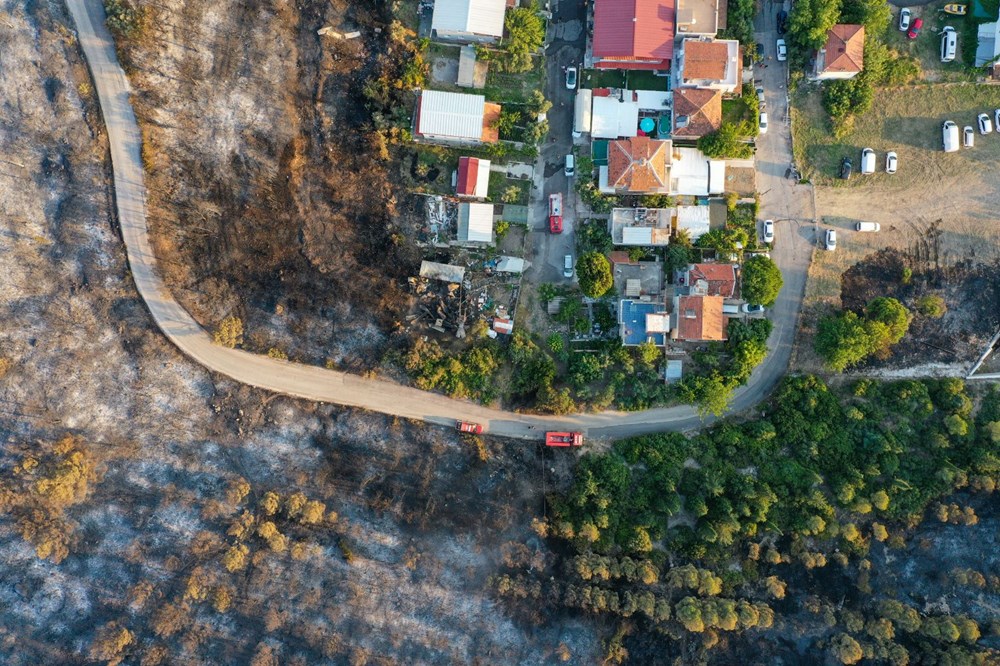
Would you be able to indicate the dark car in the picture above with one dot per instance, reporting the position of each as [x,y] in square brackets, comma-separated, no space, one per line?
[845,168]
[915,28]
[782,22]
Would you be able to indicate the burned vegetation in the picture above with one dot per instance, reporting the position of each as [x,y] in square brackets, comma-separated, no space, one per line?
[269,196]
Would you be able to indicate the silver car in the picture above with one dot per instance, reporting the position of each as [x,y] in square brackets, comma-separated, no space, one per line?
[831,239]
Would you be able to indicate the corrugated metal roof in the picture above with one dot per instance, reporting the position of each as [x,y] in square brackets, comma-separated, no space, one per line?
[473,177]
[444,272]
[475,223]
[451,114]
[636,28]
[479,17]
[637,236]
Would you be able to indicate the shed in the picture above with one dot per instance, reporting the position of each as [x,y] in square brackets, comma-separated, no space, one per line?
[444,272]
[511,265]
[501,325]
[473,177]
[475,223]
[989,43]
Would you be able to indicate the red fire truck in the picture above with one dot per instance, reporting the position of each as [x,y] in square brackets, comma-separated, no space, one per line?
[563,439]
[555,213]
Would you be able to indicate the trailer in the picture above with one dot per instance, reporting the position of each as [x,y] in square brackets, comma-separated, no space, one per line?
[563,439]
[555,213]
[469,427]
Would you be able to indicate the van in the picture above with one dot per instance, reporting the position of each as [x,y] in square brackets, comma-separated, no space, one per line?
[568,266]
[867,226]
[949,133]
[949,44]
[731,309]
[867,161]
[570,166]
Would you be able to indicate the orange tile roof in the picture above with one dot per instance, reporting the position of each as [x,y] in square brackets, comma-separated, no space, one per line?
[721,278]
[491,116]
[705,60]
[700,318]
[702,108]
[845,48]
[639,164]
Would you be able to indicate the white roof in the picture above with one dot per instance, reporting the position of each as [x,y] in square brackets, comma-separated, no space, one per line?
[451,114]
[613,119]
[637,236]
[716,177]
[581,111]
[478,17]
[444,272]
[689,172]
[475,222]
[693,218]
[511,265]
[657,322]
[654,99]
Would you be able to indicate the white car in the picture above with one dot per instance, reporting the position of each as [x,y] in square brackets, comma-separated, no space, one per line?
[752,309]
[968,136]
[782,50]
[768,231]
[763,122]
[831,239]
[568,266]
[867,161]
[904,19]
[985,126]
[890,162]
[571,78]
[996,120]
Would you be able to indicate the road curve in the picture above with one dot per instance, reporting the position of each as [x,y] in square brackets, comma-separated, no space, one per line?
[312,382]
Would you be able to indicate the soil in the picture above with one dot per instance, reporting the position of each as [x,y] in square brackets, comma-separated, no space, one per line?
[971,289]
[267,199]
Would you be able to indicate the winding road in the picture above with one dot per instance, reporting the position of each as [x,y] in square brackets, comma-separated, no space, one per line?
[321,385]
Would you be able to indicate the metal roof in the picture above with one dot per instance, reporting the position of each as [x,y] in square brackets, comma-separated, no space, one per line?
[479,17]
[449,114]
[475,223]
[444,272]
[637,236]
[634,28]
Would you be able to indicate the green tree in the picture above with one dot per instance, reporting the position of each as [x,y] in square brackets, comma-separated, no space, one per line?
[844,340]
[761,280]
[688,612]
[649,352]
[809,22]
[932,306]
[594,271]
[727,141]
[846,649]
[525,34]
[893,314]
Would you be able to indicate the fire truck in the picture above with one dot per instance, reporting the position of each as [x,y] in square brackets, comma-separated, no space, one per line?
[555,213]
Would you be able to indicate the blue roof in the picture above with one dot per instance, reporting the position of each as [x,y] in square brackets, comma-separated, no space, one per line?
[633,320]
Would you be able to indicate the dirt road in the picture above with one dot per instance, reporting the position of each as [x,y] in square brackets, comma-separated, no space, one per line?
[321,385]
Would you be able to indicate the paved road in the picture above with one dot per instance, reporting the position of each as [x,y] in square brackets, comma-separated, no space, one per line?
[321,385]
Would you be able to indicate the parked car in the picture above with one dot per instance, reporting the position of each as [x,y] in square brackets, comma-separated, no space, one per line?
[760,51]
[968,137]
[890,162]
[752,309]
[985,125]
[867,161]
[949,134]
[571,78]
[769,231]
[831,239]
[568,266]
[996,120]
[570,168]
[845,168]
[782,22]
[760,101]
[868,226]
[782,50]
[915,28]
[763,122]
[904,19]
[949,44]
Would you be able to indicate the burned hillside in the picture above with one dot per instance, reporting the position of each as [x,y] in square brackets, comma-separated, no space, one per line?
[268,198]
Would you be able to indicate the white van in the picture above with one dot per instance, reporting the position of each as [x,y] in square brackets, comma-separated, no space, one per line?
[570,169]
[867,161]
[867,226]
[949,133]
[949,44]
[568,266]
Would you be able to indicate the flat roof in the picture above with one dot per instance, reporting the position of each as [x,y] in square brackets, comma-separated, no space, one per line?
[698,17]
[612,118]
[632,317]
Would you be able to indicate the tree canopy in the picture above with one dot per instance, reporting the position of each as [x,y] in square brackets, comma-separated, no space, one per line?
[845,339]
[727,141]
[525,34]
[594,271]
[761,280]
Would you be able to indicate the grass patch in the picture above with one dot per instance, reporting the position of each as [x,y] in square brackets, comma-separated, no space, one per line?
[507,88]
[507,190]
[602,78]
[735,111]
[639,80]
[906,120]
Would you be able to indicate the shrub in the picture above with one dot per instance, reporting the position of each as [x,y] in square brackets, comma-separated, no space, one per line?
[727,141]
[230,332]
[932,306]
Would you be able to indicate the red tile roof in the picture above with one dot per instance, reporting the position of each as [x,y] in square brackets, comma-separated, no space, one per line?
[639,29]
[702,109]
[639,164]
[705,60]
[468,176]
[845,48]
[700,318]
[721,278]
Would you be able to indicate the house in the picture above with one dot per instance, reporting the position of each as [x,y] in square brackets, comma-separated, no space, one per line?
[699,17]
[473,177]
[614,115]
[692,173]
[714,64]
[632,34]
[842,57]
[475,223]
[711,280]
[456,118]
[698,319]
[641,321]
[468,20]
[697,112]
[640,226]
[988,48]
[639,165]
